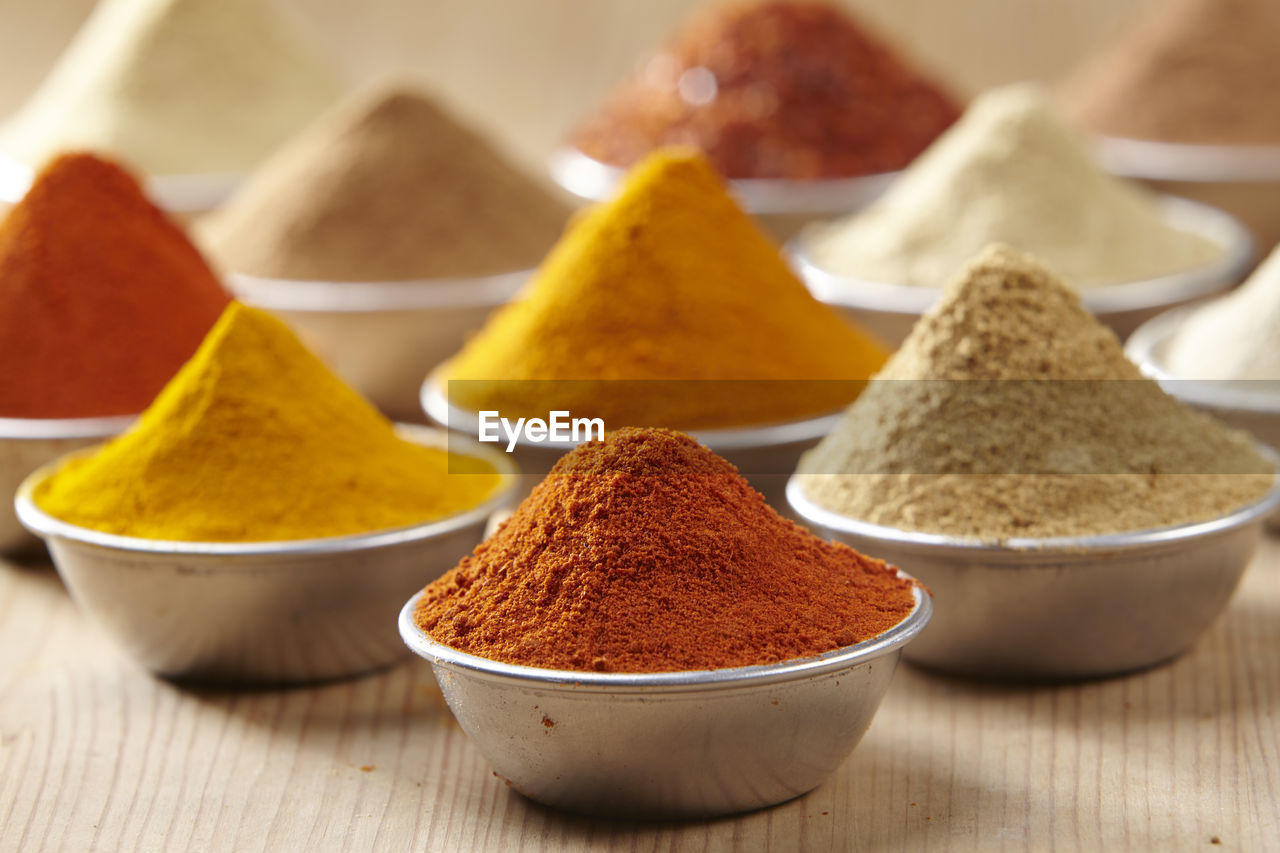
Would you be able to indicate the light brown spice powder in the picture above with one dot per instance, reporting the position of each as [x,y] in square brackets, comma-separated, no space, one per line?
[386,187]
[1011,412]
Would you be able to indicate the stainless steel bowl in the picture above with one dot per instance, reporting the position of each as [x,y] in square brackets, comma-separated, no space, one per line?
[891,310]
[1252,405]
[766,455]
[782,205]
[29,443]
[268,612]
[382,337]
[1154,160]
[673,744]
[1062,608]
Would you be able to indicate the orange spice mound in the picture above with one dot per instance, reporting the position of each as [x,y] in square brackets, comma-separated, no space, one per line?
[102,298]
[646,552]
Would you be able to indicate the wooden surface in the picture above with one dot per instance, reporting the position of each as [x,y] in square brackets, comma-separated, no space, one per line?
[96,754]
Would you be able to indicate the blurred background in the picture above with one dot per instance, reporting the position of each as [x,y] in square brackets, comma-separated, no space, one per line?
[525,71]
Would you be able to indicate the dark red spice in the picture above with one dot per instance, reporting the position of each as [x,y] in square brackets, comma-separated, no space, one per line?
[646,552]
[774,90]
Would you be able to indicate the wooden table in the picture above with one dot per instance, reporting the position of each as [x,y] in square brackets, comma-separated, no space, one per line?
[95,753]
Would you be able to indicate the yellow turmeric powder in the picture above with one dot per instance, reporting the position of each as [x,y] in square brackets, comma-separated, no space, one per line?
[255,440]
[669,281]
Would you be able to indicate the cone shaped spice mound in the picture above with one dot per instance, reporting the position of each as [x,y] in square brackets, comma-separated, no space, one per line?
[773,90]
[1248,318]
[1011,412]
[646,552]
[101,297]
[1008,172]
[669,281]
[1198,71]
[387,186]
[255,440]
[175,87]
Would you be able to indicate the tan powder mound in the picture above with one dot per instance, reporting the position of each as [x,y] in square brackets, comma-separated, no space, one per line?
[1011,412]
[388,186]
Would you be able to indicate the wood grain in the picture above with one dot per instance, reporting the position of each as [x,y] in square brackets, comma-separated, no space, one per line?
[96,754]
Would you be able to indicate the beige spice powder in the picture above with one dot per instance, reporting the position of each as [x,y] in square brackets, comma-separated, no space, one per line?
[1011,412]
[387,186]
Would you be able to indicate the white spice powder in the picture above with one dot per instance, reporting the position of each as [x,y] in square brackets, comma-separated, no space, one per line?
[1009,171]
[1235,337]
[174,87]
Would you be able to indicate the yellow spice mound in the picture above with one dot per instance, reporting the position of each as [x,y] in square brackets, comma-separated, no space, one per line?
[670,281]
[255,440]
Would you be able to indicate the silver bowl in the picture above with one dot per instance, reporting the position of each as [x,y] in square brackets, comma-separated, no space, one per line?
[177,194]
[1062,608]
[1252,405]
[267,612]
[765,454]
[1151,159]
[382,337]
[30,443]
[891,310]
[671,744]
[782,205]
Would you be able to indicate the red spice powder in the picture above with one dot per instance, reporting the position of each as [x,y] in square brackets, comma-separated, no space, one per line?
[774,90]
[102,298]
[646,552]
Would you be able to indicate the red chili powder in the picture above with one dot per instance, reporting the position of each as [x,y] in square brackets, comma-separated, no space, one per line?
[102,298]
[774,90]
[646,552]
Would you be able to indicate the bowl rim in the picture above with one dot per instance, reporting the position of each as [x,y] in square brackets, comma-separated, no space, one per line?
[367,297]
[64,428]
[1224,230]
[195,192]
[811,513]
[440,655]
[594,180]
[47,526]
[1195,162]
[435,403]
[1145,347]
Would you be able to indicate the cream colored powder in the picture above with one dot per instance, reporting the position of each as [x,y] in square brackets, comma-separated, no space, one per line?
[1235,337]
[976,428]
[174,87]
[1009,171]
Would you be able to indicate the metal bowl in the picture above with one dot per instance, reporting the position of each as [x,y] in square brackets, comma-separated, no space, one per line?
[29,443]
[782,205]
[382,337]
[178,194]
[1154,160]
[765,454]
[268,612]
[1062,608]
[671,744]
[1252,405]
[891,310]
